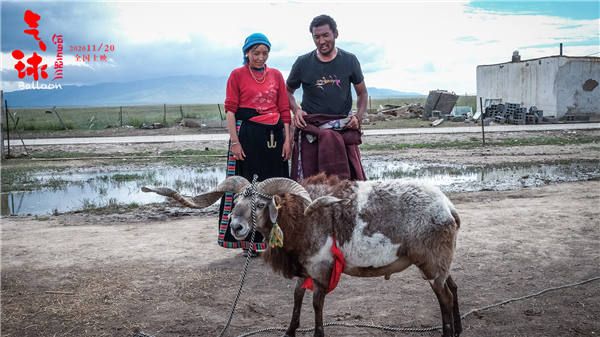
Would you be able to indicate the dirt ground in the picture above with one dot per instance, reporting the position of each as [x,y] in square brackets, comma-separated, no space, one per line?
[161,270]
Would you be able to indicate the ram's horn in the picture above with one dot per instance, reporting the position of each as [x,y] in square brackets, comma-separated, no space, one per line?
[324,201]
[233,184]
[275,186]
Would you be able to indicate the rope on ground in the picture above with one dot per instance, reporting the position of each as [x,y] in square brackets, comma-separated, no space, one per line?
[138,333]
[530,296]
[428,329]
[251,190]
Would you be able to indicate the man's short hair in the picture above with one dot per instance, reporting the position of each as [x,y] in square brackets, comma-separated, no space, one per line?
[323,20]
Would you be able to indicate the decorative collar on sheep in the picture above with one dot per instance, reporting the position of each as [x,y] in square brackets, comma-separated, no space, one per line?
[276,234]
[251,191]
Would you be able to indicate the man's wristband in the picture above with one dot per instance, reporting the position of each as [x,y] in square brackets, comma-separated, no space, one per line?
[234,143]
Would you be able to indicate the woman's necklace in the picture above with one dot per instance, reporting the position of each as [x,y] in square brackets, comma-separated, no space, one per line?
[261,79]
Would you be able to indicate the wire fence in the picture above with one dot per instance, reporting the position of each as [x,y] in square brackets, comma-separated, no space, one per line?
[146,116]
[96,118]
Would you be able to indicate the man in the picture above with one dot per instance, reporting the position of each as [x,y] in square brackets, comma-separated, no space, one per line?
[327,133]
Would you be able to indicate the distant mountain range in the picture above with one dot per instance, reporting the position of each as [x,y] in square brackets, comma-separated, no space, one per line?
[168,90]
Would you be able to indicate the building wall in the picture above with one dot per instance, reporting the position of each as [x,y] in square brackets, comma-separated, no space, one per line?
[553,84]
[571,78]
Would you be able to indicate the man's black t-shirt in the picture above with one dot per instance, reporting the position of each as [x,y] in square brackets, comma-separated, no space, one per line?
[326,85]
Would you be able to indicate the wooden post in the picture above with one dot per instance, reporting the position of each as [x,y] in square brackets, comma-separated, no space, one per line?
[181,111]
[1,125]
[482,118]
[220,114]
[165,115]
[370,107]
[15,123]
[7,130]
[121,116]
[59,118]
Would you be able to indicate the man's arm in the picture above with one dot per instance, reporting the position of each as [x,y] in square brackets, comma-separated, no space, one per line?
[298,120]
[362,98]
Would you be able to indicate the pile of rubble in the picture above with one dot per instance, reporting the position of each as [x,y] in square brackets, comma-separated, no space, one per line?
[514,113]
[388,112]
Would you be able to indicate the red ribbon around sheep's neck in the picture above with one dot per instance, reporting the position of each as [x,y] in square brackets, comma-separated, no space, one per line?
[336,273]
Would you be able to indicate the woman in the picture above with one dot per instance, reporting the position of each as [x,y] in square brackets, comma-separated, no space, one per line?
[258,121]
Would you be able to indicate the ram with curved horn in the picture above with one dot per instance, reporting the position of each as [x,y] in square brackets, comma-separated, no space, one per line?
[359,228]
[232,184]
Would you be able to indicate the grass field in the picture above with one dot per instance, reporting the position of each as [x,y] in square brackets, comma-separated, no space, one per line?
[98,118]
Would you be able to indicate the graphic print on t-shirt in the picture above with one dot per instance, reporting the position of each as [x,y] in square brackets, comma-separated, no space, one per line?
[331,80]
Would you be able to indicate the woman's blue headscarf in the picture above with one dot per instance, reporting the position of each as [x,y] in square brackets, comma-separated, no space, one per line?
[254,39]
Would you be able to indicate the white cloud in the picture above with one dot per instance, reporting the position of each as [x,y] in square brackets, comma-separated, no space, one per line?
[399,43]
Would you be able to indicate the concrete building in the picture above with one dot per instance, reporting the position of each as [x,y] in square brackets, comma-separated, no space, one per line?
[555,84]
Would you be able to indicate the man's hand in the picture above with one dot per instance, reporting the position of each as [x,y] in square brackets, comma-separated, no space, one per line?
[354,123]
[298,120]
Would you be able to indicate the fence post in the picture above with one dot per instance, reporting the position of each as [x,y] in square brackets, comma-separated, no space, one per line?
[121,116]
[220,114]
[481,119]
[165,115]
[181,111]
[59,118]
[1,125]
[7,130]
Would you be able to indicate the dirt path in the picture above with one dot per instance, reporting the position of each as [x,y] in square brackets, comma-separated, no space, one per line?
[91,275]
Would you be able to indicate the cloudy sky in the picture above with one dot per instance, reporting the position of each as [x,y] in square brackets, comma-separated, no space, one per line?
[402,45]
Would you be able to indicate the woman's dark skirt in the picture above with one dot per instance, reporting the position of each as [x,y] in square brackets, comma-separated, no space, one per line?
[263,158]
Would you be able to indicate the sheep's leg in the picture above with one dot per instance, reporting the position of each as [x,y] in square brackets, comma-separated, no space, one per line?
[298,297]
[445,298]
[319,293]
[456,313]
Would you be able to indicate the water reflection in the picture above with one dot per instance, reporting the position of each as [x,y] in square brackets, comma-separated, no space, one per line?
[73,191]
[461,178]
[90,188]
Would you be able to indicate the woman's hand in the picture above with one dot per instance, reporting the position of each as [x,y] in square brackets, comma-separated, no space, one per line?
[286,152]
[238,152]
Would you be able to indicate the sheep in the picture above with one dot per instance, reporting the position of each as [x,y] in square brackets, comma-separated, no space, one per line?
[381,227]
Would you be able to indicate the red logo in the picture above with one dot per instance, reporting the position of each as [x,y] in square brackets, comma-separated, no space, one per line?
[34,69]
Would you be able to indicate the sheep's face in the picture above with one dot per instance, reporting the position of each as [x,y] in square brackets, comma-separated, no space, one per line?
[241,216]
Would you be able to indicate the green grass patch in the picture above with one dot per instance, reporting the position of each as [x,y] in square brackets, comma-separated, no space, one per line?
[66,154]
[18,178]
[194,152]
[111,207]
[474,142]
[190,157]
[120,177]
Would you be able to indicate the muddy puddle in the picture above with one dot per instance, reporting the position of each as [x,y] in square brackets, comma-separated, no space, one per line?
[60,192]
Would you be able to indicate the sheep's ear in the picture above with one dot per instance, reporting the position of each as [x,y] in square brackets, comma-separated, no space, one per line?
[325,201]
[274,208]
